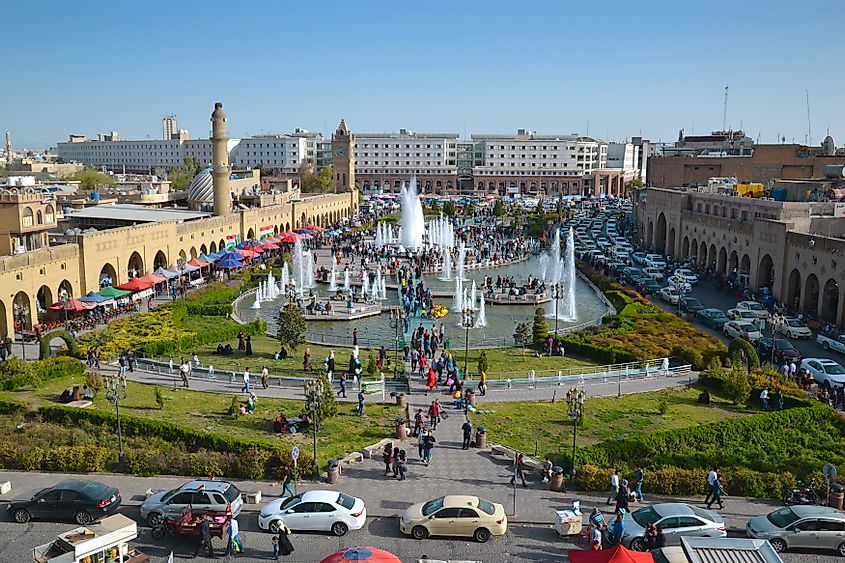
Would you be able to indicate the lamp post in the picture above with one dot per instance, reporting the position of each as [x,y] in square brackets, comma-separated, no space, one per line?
[21,317]
[556,295]
[313,402]
[395,323]
[575,407]
[777,321]
[115,394]
[467,321]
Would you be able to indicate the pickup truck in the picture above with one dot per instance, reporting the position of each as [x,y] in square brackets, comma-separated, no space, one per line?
[829,343]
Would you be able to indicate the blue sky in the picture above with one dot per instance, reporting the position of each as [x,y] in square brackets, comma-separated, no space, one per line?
[619,68]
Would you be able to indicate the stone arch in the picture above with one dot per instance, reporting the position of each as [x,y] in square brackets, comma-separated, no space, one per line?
[182,255]
[4,328]
[203,249]
[44,298]
[702,253]
[793,290]
[212,248]
[830,300]
[711,256]
[693,249]
[649,235]
[670,245]
[193,252]
[135,265]
[733,263]
[160,260]
[287,227]
[250,234]
[811,294]
[766,272]
[65,290]
[45,349]
[22,311]
[660,234]
[722,261]
[685,248]
[745,270]
[39,218]
[222,245]
[108,275]
[27,217]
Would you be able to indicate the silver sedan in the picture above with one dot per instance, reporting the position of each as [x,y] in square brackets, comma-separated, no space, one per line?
[675,520]
[802,527]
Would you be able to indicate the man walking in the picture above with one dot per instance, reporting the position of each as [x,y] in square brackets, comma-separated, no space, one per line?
[467,428]
[428,447]
[639,479]
[614,487]
[718,491]
[184,369]
[360,411]
[711,478]
[342,392]
[245,388]
[520,470]
[287,479]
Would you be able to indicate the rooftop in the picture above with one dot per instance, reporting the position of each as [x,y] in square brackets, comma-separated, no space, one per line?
[137,213]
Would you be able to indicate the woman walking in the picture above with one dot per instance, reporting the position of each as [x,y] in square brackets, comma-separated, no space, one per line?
[282,544]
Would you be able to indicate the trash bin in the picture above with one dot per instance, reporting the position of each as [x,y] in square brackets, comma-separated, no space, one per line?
[835,497]
[558,481]
[481,437]
[401,434]
[400,400]
[470,397]
[333,473]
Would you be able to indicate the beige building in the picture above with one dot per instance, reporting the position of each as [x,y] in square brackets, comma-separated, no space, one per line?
[796,249]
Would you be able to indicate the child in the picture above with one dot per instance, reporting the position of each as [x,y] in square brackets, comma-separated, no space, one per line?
[275,540]
[403,464]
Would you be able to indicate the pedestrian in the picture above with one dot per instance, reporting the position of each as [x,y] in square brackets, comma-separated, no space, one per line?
[428,446]
[287,479]
[617,529]
[718,491]
[306,360]
[638,478]
[342,392]
[205,537]
[387,457]
[520,470]
[360,411]
[245,388]
[403,464]
[354,337]
[283,541]
[711,477]
[764,398]
[184,369]
[623,497]
[482,383]
[467,428]
[433,415]
[265,377]
[395,462]
[595,537]
[614,486]
[421,443]
[233,543]
[248,345]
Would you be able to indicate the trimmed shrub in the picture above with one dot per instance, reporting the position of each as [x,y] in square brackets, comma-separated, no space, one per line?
[739,347]
[44,348]
[16,374]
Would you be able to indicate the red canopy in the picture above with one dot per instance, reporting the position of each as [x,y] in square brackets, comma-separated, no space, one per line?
[247,253]
[615,554]
[269,246]
[72,305]
[135,284]
[311,227]
[360,553]
[291,238]
[197,262]
[152,278]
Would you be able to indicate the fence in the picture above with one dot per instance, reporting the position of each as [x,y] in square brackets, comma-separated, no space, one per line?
[616,373]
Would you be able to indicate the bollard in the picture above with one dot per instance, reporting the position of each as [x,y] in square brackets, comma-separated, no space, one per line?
[333,473]
[481,437]
[557,483]
[835,497]
[401,400]
[470,397]
[401,433]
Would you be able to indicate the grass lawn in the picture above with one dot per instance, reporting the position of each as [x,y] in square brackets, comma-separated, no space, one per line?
[546,426]
[338,436]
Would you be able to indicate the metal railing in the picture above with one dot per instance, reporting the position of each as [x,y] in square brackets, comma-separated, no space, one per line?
[603,374]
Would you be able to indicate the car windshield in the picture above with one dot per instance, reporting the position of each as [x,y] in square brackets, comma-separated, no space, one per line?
[747,327]
[692,301]
[432,506]
[754,306]
[346,501]
[291,501]
[95,491]
[783,517]
[833,368]
[486,506]
[747,315]
[231,493]
[645,516]
[795,324]
[784,345]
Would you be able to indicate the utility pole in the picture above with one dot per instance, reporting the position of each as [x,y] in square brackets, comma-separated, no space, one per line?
[725,112]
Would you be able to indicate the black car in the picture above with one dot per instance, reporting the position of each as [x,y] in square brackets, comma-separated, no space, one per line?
[714,318]
[784,350]
[691,305]
[74,499]
[648,285]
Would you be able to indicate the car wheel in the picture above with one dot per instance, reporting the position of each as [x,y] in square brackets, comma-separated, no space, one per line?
[419,532]
[825,345]
[339,529]
[274,526]
[841,549]
[481,535]
[22,516]
[154,519]
[83,518]
[637,544]
[779,545]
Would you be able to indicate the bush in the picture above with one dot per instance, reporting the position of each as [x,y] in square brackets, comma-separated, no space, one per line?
[483,362]
[739,347]
[736,385]
[253,463]
[76,459]
[70,341]
[16,374]
[328,407]
[540,328]
[94,380]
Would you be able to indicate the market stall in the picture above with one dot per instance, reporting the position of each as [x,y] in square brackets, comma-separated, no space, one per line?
[107,541]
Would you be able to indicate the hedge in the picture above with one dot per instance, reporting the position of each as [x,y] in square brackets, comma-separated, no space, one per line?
[739,345]
[44,351]
[594,352]
[17,374]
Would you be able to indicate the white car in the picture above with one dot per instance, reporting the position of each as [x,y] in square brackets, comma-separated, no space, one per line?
[679,283]
[315,510]
[741,329]
[827,373]
[688,275]
[670,295]
[741,315]
[793,328]
[757,308]
[653,273]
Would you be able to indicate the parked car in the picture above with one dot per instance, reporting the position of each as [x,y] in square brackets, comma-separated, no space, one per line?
[741,329]
[202,494]
[783,349]
[827,373]
[741,315]
[670,295]
[82,501]
[714,318]
[638,257]
[679,283]
[756,308]
[329,511]
[654,273]
[647,286]
[802,527]
[455,515]
[794,328]
[688,275]
[675,519]
[690,304]
[830,343]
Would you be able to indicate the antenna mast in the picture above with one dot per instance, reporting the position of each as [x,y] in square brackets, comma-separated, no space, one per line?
[725,112]
[809,130]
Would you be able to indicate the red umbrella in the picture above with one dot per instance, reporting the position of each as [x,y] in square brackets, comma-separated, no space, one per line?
[291,238]
[270,246]
[135,284]
[72,305]
[197,262]
[152,278]
[372,554]
[615,554]
[247,253]
[311,227]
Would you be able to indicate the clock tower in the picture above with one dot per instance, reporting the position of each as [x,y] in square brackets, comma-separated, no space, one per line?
[343,159]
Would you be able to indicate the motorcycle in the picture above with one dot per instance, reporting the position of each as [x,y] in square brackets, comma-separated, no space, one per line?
[801,494]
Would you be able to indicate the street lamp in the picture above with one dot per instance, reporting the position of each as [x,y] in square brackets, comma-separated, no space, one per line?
[313,402]
[395,323]
[468,322]
[556,295]
[777,322]
[575,407]
[21,317]
[115,394]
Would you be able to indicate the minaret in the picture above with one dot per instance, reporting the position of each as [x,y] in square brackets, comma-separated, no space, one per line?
[8,147]
[220,161]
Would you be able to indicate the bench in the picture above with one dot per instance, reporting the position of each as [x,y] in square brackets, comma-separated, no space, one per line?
[354,457]
[80,404]
[374,450]
[532,463]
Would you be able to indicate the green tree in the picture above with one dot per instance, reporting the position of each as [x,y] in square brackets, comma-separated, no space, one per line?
[540,210]
[736,385]
[449,208]
[291,332]
[91,179]
[182,177]
[637,182]
[329,406]
[372,365]
[518,217]
[522,336]
[469,209]
[319,183]
[435,207]
[540,329]
[498,208]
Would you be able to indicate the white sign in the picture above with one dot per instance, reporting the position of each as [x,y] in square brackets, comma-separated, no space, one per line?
[294,453]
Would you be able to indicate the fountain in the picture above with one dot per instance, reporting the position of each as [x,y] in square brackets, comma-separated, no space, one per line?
[308,263]
[569,313]
[482,311]
[459,295]
[544,266]
[346,279]
[375,290]
[412,219]
[472,296]
[365,283]
[447,265]
[285,277]
[383,287]
[299,267]
[462,256]
[563,273]
[257,303]
[333,278]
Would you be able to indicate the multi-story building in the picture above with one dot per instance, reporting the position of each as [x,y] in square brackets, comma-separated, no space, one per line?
[284,153]
[169,127]
[27,213]
[717,143]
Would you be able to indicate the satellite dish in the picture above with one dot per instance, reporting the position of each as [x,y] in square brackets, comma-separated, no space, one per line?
[829,471]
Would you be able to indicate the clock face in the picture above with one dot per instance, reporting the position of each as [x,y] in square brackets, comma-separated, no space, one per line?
[341,152]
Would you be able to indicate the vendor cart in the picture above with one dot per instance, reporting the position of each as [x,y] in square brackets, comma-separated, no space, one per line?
[104,542]
[188,523]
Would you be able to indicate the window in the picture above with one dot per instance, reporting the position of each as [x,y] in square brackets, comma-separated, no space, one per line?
[448,513]
[52,496]
[27,217]
[305,507]
[669,523]
[346,501]
[468,513]
[689,522]
[807,526]
[182,498]
[431,506]
[831,526]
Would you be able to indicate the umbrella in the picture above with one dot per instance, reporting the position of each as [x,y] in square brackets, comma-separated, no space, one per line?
[188,268]
[248,244]
[72,305]
[113,292]
[165,273]
[272,238]
[269,246]
[197,262]
[313,227]
[303,231]
[372,554]
[152,278]
[206,258]
[229,263]
[232,256]
[135,284]
[95,298]
[246,253]
[615,554]
[291,238]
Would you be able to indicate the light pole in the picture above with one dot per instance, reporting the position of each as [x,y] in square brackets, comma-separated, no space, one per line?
[313,402]
[395,323]
[556,295]
[777,321]
[115,394]
[20,317]
[467,321]
[575,407]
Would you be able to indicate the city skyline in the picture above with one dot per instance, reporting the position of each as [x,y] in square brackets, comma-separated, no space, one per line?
[610,71]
